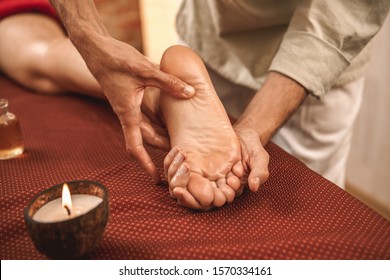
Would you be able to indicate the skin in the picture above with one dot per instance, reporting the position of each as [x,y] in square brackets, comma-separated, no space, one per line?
[56,67]
[37,54]
[122,72]
[270,108]
[43,58]
[272,105]
[204,166]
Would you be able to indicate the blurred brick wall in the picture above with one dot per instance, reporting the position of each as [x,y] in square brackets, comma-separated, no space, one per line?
[122,19]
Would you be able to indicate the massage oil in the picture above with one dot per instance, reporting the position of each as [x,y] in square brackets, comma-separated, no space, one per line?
[11,141]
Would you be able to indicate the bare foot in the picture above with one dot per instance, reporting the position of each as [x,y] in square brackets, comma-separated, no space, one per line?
[204,167]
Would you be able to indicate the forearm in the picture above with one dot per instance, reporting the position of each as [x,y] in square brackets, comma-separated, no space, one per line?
[79,17]
[82,23]
[272,105]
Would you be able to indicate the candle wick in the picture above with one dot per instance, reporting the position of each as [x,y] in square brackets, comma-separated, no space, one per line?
[67,209]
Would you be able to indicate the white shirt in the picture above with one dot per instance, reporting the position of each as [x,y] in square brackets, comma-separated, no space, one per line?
[318,43]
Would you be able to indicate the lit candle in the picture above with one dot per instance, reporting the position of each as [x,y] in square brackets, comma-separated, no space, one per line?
[67,207]
[65,226]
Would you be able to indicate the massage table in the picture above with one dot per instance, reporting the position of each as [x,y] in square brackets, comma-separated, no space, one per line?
[296,214]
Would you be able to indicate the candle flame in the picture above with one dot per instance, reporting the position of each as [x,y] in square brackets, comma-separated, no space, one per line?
[66,198]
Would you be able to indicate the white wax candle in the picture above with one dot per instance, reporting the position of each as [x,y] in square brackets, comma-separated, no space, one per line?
[54,212]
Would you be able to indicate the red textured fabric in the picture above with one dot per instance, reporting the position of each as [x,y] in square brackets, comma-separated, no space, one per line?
[11,7]
[297,214]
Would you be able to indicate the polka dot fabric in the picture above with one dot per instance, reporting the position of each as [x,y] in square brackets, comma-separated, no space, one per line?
[297,214]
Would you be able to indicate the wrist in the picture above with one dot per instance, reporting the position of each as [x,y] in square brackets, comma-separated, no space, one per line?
[272,105]
[248,123]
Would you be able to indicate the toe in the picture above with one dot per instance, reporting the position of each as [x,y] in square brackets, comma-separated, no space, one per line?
[233,181]
[238,169]
[219,196]
[201,189]
[185,199]
[226,190]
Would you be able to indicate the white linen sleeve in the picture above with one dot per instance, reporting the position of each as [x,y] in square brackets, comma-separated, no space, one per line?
[324,37]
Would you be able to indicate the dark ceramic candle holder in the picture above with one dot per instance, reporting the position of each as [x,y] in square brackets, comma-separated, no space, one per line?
[72,238]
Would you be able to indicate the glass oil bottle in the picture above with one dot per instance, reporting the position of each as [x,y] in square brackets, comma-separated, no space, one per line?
[11,141]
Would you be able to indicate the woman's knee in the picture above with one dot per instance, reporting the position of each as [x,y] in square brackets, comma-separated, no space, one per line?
[24,48]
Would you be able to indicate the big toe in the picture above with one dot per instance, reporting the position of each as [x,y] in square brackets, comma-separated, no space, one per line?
[201,189]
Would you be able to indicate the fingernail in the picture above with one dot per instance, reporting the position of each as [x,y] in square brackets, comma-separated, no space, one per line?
[178,159]
[188,90]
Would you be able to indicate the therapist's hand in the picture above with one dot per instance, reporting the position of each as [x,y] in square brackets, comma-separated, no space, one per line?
[271,106]
[123,74]
[254,157]
[153,129]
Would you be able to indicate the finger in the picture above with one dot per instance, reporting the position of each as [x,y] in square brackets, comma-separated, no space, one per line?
[185,199]
[159,129]
[152,112]
[130,117]
[228,192]
[134,145]
[169,159]
[155,123]
[154,118]
[180,179]
[171,85]
[173,168]
[150,135]
[258,164]
[141,155]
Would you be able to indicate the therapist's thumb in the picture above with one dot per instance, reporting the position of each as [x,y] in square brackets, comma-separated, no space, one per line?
[173,86]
